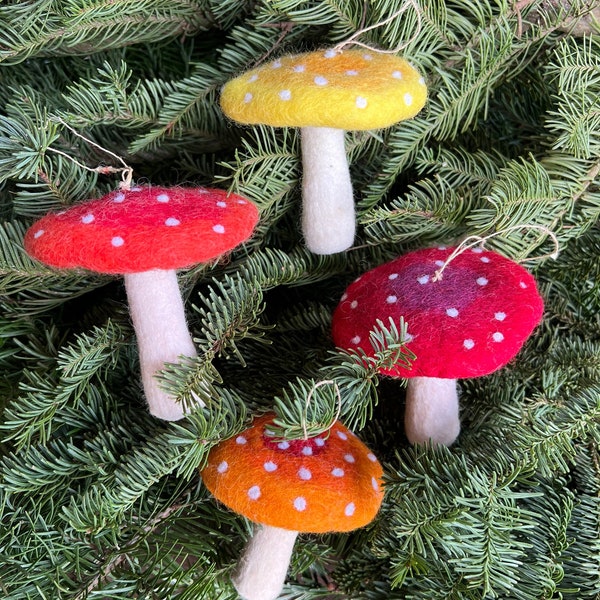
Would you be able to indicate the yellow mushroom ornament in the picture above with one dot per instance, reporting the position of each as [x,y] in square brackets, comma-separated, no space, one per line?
[326,93]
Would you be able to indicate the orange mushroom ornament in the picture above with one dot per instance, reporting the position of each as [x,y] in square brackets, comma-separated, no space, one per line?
[322,484]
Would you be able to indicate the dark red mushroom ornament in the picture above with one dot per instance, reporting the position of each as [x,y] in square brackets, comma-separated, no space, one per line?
[145,234]
[466,318]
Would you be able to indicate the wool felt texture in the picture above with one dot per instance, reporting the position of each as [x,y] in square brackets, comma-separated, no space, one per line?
[143,228]
[323,484]
[470,323]
[158,317]
[352,90]
[260,573]
[431,411]
[328,220]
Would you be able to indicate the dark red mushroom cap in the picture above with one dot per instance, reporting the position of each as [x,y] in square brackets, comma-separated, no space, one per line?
[144,228]
[470,323]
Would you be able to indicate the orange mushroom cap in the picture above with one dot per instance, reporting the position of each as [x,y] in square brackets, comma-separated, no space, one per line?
[326,483]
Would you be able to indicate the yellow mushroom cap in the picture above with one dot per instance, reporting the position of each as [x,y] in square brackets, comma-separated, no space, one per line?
[351,90]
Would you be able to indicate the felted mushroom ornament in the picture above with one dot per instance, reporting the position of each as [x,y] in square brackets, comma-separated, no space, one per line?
[325,93]
[145,234]
[466,317]
[323,484]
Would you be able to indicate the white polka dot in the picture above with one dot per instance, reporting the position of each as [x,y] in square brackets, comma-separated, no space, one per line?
[276,64]
[38,234]
[497,336]
[344,297]
[342,435]
[349,510]
[468,344]
[367,56]
[321,80]
[319,442]
[354,304]
[252,78]
[408,99]
[117,241]
[397,74]
[409,337]
[283,445]
[477,250]
[352,72]
[330,54]
[119,198]
[452,312]
[89,218]
[240,440]
[285,95]
[439,263]
[393,276]
[422,80]
[307,451]
[423,279]
[223,466]
[484,259]
[218,229]
[522,285]
[270,466]
[355,339]
[242,202]
[500,316]
[349,458]
[299,69]
[162,198]
[254,493]
[248,97]
[136,189]
[482,281]
[172,222]
[375,484]
[222,204]
[372,457]
[442,247]
[300,503]
[361,102]
[337,472]
[391,299]
[304,473]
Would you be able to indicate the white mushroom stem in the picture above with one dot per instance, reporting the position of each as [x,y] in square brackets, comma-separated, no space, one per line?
[328,220]
[261,572]
[431,410]
[162,335]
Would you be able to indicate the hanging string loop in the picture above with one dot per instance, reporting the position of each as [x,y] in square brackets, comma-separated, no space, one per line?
[126,171]
[474,240]
[352,40]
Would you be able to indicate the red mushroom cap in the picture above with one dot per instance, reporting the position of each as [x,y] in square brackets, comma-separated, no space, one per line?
[327,483]
[132,231]
[469,323]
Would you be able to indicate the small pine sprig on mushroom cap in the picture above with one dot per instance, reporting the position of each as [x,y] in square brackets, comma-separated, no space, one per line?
[323,484]
[325,93]
[146,233]
[467,316]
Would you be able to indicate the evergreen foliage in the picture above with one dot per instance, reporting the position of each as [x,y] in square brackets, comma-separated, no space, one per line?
[99,500]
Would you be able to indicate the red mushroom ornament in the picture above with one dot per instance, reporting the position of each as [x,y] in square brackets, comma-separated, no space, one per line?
[466,317]
[145,234]
[323,484]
